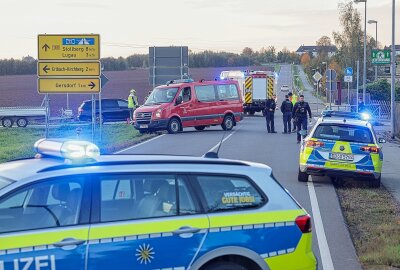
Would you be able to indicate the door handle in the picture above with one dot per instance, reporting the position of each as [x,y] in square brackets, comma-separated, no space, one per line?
[186,230]
[69,242]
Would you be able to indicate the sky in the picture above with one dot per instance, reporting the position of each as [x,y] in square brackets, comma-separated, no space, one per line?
[131,26]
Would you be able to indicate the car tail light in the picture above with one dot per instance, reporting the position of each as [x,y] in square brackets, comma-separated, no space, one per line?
[304,223]
[371,149]
[314,144]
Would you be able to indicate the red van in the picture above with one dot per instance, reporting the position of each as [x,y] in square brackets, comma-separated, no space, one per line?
[186,103]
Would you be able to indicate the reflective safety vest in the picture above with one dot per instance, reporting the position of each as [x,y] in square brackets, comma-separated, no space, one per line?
[294,99]
[132,101]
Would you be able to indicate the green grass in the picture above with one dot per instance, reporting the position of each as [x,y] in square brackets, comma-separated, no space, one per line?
[373,218]
[278,68]
[18,142]
[296,74]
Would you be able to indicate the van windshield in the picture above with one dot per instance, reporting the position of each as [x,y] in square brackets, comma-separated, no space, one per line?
[161,95]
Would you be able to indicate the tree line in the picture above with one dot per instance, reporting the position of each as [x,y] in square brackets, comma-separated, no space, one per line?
[248,57]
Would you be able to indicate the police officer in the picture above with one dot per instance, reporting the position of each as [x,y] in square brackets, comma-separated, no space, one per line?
[270,107]
[286,109]
[293,99]
[361,105]
[132,103]
[300,111]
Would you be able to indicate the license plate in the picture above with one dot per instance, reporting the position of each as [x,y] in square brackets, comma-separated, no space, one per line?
[144,126]
[339,156]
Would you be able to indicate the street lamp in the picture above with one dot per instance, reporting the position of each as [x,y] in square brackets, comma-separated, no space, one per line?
[376,43]
[326,76]
[365,48]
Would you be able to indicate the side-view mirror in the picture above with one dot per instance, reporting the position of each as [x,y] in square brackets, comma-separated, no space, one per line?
[179,100]
[381,140]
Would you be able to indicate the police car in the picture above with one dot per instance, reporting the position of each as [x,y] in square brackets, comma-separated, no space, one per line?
[70,208]
[342,144]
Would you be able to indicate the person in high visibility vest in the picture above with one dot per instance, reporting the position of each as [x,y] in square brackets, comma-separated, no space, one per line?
[132,103]
[293,99]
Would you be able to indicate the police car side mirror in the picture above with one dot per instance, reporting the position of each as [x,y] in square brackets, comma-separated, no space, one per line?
[179,100]
[381,140]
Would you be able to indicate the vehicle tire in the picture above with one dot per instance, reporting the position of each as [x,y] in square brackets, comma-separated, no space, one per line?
[141,131]
[302,176]
[225,266]
[7,122]
[228,122]
[174,126]
[199,128]
[22,122]
[252,112]
[375,183]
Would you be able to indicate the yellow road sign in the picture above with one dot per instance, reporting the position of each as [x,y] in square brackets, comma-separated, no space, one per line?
[68,85]
[69,69]
[69,47]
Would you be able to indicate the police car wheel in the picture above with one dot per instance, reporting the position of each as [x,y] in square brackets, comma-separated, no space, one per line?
[22,122]
[302,176]
[7,122]
[375,183]
[228,122]
[174,126]
[225,266]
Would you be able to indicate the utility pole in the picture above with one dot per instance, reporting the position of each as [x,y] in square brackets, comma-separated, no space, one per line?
[392,95]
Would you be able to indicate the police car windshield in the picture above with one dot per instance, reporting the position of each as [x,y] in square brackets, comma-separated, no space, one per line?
[345,133]
[161,95]
[4,182]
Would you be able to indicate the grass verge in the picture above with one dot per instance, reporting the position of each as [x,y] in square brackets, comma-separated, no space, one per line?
[278,68]
[298,82]
[373,218]
[18,143]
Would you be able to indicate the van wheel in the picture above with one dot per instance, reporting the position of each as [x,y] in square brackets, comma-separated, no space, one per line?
[22,122]
[302,176]
[7,122]
[200,128]
[174,126]
[225,266]
[375,183]
[228,123]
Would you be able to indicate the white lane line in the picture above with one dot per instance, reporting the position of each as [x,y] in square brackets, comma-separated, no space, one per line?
[326,258]
[225,139]
[139,144]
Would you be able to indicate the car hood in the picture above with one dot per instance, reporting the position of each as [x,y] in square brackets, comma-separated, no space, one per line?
[151,108]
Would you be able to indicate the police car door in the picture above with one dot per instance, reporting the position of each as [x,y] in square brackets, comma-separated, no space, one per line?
[147,221]
[41,225]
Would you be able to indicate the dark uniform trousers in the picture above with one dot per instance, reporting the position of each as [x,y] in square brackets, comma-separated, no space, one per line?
[287,123]
[270,121]
[301,125]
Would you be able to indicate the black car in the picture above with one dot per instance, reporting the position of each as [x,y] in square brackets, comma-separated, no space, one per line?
[112,110]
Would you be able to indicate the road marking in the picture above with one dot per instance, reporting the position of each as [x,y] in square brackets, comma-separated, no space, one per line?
[225,139]
[139,144]
[326,258]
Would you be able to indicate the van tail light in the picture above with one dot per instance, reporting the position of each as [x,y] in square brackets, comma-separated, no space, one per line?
[80,110]
[314,144]
[371,149]
[304,223]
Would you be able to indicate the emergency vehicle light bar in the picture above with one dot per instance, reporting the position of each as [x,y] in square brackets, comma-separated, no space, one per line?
[68,149]
[349,115]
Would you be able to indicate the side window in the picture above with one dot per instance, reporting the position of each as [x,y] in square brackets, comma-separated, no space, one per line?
[123,104]
[227,92]
[205,93]
[226,193]
[48,204]
[186,94]
[109,104]
[125,197]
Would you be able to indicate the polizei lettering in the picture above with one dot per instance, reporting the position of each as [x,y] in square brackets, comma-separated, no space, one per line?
[30,263]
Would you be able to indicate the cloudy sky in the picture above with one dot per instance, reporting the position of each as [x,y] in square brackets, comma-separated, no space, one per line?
[130,26]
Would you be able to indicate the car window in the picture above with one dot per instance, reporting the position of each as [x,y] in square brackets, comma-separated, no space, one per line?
[205,93]
[48,204]
[227,91]
[186,94]
[109,104]
[122,104]
[226,193]
[131,197]
[346,133]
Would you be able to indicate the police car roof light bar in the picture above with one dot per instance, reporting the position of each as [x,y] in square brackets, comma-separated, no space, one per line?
[67,149]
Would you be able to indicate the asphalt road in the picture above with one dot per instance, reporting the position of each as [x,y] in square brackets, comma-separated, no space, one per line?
[250,141]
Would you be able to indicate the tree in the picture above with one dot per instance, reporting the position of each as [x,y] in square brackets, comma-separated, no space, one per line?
[305,59]
[247,51]
[324,41]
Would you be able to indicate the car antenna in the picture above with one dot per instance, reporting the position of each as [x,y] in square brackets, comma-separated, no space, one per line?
[212,154]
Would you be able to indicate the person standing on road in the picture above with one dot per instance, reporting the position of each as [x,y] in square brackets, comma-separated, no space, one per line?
[299,113]
[132,103]
[361,105]
[293,99]
[270,107]
[286,109]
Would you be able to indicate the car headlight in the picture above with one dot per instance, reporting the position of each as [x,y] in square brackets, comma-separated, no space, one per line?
[158,113]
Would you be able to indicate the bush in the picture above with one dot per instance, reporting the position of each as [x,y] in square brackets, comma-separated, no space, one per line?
[380,90]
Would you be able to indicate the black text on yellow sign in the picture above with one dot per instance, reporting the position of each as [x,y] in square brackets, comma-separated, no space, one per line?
[69,47]
[69,85]
[68,69]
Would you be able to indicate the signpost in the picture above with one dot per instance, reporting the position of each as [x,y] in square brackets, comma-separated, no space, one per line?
[69,64]
[381,57]
[317,77]
[349,79]
[331,84]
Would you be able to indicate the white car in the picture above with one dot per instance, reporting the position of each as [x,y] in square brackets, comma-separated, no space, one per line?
[285,88]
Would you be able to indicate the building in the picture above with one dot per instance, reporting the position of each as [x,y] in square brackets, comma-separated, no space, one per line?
[397,47]
[314,51]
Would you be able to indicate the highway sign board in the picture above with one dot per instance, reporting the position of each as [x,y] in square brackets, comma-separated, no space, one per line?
[69,47]
[348,79]
[348,71]
[69,85]
[317,76]
[50,69]
[381,57]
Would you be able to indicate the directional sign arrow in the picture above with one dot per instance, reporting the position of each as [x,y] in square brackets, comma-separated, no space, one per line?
[45,47]
[92,85]
[46,68]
